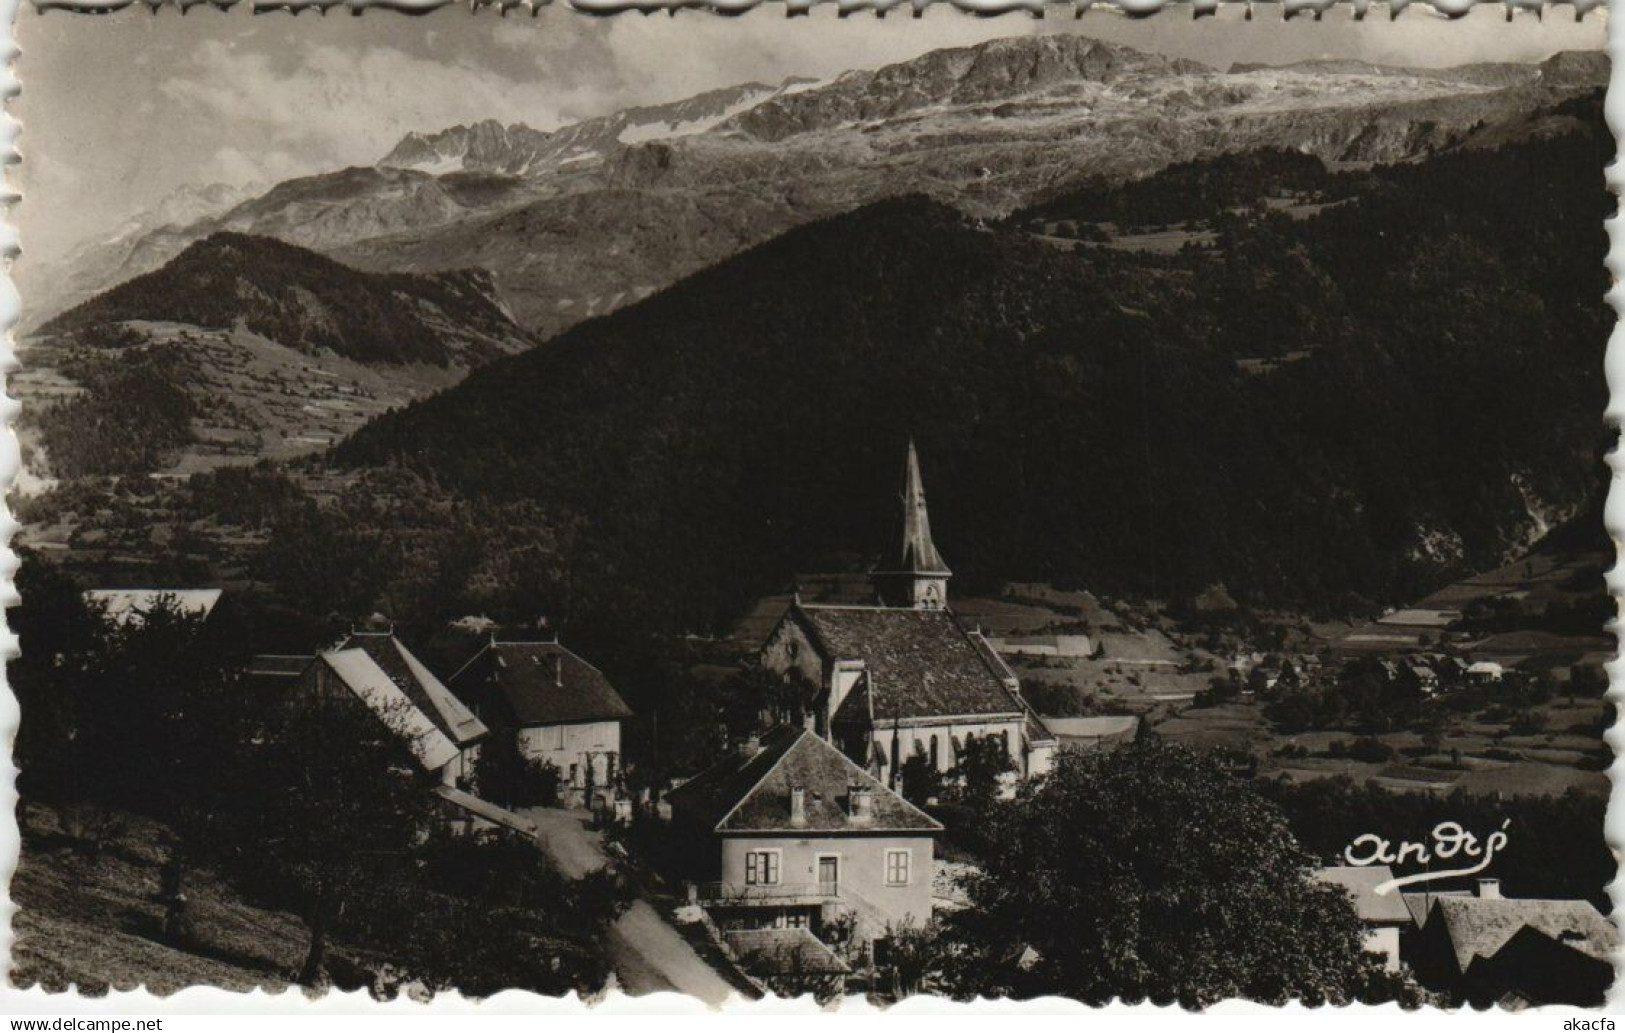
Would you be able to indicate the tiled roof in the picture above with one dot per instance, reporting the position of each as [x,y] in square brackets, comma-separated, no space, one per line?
[1037,731]
[751,793]
[991,657]
[921,663]
[1480,927]
[1362,883]
[1420,904]
[785,952]
[544,683]
[420,685]
[357,670]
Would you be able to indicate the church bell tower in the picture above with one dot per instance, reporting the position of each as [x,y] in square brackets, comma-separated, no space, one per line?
[912,573]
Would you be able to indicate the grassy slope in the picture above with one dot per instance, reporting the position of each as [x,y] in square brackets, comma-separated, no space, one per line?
[95,924]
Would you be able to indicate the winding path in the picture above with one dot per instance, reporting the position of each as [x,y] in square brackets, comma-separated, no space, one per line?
[649,955]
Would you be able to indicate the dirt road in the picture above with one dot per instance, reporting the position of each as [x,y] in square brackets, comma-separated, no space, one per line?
[649,955]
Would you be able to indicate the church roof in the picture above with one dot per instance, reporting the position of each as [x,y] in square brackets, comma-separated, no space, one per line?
[913,551]
[426,692]
[920,663]
[750,792]
[543,683]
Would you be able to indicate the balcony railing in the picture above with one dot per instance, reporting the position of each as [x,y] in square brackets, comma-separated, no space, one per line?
[774,893]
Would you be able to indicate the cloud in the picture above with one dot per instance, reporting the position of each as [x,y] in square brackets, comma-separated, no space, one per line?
[335,106]
[765,45]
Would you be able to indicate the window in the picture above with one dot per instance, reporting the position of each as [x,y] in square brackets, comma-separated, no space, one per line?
[762,868]
[934,765]
[897,862]
[894,751]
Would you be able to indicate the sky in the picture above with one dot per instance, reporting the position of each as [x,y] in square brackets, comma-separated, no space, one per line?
[120,110]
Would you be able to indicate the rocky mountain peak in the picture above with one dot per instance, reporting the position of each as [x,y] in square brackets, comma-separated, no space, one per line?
[1000,69]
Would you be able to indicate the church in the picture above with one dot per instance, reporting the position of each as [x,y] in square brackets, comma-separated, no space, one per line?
[901,676]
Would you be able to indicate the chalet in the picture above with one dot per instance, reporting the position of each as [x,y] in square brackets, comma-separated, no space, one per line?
[378,669]
[890,681]
[795,835]
[1488,949]
[558,708]
[1384,915]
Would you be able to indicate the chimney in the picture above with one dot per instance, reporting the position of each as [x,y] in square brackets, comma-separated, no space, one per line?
[1489,889]
[861,800]
[798,806]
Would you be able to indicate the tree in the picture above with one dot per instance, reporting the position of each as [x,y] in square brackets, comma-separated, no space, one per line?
[487,912]
[922,781]
[318,814]
[1148,872]
[982,760]
[504,775]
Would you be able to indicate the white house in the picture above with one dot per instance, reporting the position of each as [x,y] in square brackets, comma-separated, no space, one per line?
[559,708]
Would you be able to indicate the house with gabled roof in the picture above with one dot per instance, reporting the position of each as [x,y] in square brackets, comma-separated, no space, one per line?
[127,606]
[796,835]
[1384,914]
[905,678]
[355,671]
[376,668]
[557,707]
[1488,949]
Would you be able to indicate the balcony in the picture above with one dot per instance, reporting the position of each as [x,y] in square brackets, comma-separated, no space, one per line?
[783,894]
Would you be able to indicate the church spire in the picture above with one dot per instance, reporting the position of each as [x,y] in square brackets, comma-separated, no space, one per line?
[913,573]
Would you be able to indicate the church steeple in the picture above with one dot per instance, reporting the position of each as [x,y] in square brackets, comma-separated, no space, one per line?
[912,573]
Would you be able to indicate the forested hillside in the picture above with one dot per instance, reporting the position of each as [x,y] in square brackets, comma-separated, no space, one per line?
[305,301]
[1084,418]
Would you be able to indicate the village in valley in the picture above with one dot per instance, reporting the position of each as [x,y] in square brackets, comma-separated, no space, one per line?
[843,808]
[1006,511]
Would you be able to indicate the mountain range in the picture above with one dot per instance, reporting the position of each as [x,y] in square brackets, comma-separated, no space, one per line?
[489,146]
[577,222]
[1087,415]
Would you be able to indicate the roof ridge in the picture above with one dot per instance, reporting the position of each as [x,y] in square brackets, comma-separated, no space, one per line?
[857,606]
[850,767]
[757,784]
[470,662]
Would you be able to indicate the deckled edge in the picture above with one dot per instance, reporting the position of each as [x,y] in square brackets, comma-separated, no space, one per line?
[616,1003]
[1286,9]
